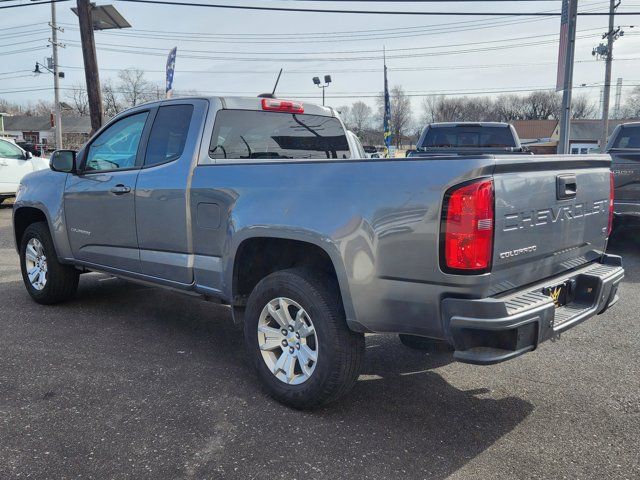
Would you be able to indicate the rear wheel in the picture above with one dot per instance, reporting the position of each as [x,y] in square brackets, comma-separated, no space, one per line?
[298,341]
[424,343]
[47,280]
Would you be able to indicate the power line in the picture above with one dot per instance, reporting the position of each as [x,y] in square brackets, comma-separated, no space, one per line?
[440,26]
[31,4]
[22,50]
[362,12]
[21,26]
[25,42]
[351,52]
[377,50]
[359,70]
[320,10]
[195,54]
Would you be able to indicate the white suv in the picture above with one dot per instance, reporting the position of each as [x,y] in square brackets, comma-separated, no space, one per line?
[15,163]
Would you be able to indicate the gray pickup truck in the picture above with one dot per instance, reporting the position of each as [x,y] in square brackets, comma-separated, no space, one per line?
[468,138]
[257,203]
[624,148]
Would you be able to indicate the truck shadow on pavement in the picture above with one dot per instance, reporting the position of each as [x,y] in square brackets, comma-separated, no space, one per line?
[161,379]
[625,241]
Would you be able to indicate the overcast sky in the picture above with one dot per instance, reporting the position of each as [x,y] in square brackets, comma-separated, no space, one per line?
[203,32]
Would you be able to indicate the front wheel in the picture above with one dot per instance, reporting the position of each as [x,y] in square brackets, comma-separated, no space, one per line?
[298,341]
[47,280]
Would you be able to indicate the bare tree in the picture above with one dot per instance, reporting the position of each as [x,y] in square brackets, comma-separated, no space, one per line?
[134,87]
[508,108]
[344,112]
[543,105]
[110,101]
[438,108]
[463,109]
[360,116]
[583,107]
[631,108]
[43,108]
[78,100]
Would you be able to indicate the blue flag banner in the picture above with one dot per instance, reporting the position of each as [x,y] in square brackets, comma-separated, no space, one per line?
[387,113]
[171,66]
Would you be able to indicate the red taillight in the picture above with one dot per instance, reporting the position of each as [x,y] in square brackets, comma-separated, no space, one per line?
[282,106]
[468,222]
[611,198]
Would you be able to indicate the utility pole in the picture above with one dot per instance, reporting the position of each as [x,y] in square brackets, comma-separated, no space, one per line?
[611,37]
[90,64]
[565,121]
[56,78]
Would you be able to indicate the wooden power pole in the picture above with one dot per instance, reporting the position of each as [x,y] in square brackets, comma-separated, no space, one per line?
[90,64]
[611,37]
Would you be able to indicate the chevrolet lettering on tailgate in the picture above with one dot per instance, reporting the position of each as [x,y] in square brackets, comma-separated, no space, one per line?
[545,216]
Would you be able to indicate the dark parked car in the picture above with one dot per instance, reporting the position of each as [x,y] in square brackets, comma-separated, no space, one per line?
[451,138]
[624,148]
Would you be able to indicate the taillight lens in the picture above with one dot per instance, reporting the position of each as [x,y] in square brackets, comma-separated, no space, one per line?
[273,105]
[467,228]
[611,198]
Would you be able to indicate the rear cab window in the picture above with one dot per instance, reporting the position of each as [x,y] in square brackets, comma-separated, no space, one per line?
[629,137]
[168,134]
[257,135]
[468,137]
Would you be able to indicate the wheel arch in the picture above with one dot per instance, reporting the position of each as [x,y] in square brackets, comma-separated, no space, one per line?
[24,216]
[274,252]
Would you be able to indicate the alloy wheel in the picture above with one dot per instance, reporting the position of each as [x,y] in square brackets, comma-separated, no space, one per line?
[287,340]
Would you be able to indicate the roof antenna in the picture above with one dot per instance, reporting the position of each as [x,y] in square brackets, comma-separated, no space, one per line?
[272,94]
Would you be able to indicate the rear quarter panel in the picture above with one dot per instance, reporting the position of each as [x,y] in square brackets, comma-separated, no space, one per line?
[377,219]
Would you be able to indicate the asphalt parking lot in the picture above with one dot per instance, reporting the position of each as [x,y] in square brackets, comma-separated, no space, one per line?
[127,381]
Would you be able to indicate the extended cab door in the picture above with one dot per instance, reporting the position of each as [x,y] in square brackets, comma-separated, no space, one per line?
[100,201]
[163,215]
[13,166]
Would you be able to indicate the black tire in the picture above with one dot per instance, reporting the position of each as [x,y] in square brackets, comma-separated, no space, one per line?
[425,344]
[340,351]
[62,280]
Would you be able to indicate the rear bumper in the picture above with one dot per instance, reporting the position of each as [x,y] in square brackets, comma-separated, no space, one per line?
[493,330]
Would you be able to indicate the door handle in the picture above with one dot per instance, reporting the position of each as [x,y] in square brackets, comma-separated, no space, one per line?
[566,186]
[120,189]
[4,164]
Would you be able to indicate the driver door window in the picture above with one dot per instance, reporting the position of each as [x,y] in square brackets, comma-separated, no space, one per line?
[117,147]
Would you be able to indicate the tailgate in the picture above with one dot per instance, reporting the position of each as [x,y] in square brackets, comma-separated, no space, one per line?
[551,215]
[626,171]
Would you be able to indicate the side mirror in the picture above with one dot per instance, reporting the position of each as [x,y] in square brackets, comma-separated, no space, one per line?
[63,161]
[28,155]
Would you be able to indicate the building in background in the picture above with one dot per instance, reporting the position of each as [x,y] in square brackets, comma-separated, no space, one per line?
[542,136]
[37,131]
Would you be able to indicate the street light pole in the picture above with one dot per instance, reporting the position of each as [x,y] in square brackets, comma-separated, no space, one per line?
[319,84]
[56,78]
